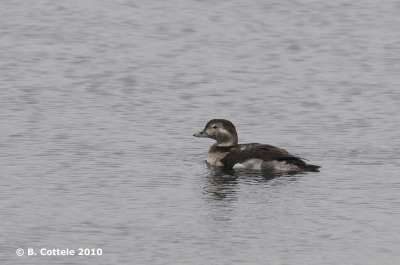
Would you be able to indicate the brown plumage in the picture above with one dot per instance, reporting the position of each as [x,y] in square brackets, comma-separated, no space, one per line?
[228,153]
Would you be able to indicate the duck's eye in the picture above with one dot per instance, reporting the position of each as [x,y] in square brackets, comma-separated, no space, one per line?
[215,127]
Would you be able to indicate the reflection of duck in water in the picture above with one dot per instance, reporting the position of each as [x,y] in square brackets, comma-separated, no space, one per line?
[226,152]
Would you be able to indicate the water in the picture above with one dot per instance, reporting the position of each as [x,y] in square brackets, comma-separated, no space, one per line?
[99,101]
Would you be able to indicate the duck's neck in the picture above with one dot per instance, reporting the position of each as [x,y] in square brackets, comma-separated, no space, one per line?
[222,149]
[233,141]
[216,148]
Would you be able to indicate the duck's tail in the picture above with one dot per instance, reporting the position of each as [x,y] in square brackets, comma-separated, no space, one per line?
[299,162]
[313,168]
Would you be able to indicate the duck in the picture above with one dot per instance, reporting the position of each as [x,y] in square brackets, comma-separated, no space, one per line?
[227,153]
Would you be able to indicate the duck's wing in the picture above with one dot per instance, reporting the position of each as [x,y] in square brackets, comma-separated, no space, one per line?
[264,152]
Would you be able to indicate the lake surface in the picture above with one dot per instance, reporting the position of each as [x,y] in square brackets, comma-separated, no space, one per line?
[99,101]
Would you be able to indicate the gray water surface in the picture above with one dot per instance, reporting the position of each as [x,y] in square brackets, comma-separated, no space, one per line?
[99,101]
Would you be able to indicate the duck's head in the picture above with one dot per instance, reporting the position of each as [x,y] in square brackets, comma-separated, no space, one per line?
[223,131]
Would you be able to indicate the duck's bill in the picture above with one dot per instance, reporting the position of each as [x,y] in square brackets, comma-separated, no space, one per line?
[202,134]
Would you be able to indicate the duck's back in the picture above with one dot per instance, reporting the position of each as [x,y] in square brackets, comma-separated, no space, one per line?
[263,156]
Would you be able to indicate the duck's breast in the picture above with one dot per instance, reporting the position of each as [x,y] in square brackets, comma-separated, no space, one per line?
[214,158]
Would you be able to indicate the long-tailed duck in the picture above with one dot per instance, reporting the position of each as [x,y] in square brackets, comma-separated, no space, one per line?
[226,152]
